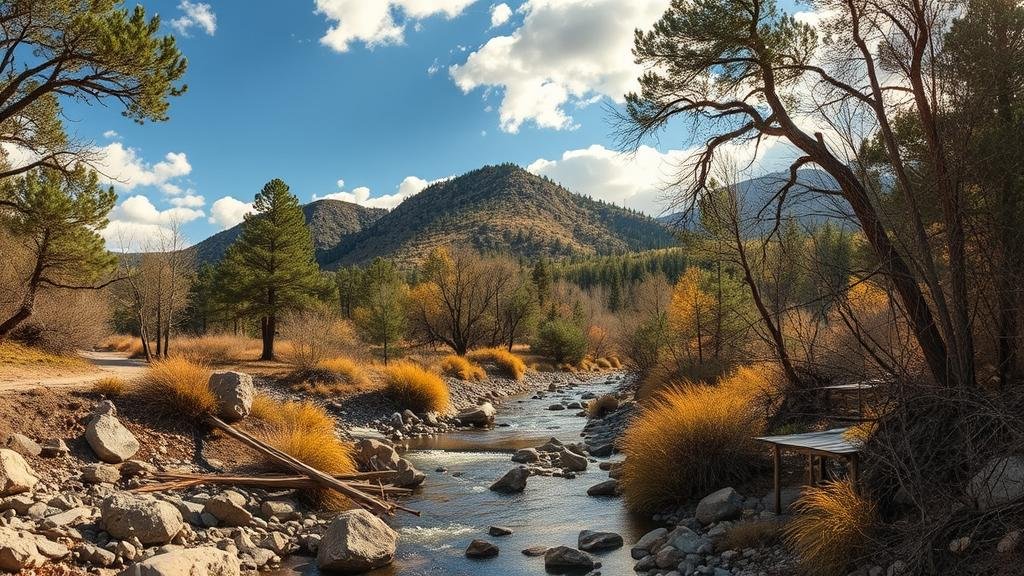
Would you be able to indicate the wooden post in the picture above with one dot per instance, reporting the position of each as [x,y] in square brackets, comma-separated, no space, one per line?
[822,470]
[777,477]
[810,469]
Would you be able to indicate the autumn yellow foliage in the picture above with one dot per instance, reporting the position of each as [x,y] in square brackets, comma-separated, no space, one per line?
[415,388]
[510,365]
[462,368]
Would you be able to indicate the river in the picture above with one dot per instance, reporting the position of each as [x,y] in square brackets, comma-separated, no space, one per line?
[457,507]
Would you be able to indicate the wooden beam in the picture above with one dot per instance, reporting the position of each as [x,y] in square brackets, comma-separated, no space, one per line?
[777,477]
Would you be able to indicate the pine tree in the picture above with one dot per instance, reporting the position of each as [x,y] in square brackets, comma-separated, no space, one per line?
[381,318]
[270,269]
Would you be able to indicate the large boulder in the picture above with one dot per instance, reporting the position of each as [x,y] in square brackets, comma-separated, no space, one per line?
[235,392]
[591,541]
[561,559]
[687,541]
[513,481]
[16,476]
[1000,481]
[481,549]
[109,439]
[374,455]
[482,415]
[151,521]
[724,504]
[356,542]
[648,543]
[202,561]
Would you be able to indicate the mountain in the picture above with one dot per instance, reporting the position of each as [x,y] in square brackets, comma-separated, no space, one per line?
[803,202]
[501,209]
[329,222]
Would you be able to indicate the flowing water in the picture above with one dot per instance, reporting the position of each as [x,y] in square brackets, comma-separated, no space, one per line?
[457,507]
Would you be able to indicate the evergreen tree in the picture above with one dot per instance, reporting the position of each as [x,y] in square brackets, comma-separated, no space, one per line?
[271,268]
[381,319]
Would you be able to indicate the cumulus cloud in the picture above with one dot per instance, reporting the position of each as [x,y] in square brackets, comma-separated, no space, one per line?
[565,52]
[189,201]
[410,186]
[124,168]
[227,212]
[195,14]
[500,13]
[137,224]
[111,135]
[374,23]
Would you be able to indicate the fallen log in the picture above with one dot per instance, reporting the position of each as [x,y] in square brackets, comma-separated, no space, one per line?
[356,495]
[166,481]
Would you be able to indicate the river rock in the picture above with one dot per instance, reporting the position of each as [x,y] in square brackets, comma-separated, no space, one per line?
[526,456]
[202,561]
[23,445]
[1000,481]
[687,541]
[374,456]
[481,549]
[556,407]
[562,559]
[54,448]
[648,542]
[99,473]
[408,476]
[482,415]
[151,521]
[606,488]
[283,510]
[499,531]
[229,508]
[590,541]
[534,551]
[572,461]
[724,504]
[16,476]
[109,439]
[513,481]
[356,542]
[234,392]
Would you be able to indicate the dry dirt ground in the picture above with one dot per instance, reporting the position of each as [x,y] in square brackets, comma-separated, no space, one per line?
[97,365]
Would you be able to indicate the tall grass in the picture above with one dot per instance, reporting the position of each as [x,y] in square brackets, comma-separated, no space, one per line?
[831,528]
[177,386]
[110,386]
[510,365]
[415,388]
[212,348]
[462,368]
[602,405]
[691,439]
[347,371]
[305,431]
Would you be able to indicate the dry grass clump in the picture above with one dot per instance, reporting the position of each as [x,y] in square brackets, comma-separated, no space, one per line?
[708,427]
[119,343]
[603,363]
[602,405]
[305,431]
[750,534]
[831,528]
[110,386]
[212,348]
[507,363]
[459,367]
[415,388]
[614,362]
[177,386]
[348,371]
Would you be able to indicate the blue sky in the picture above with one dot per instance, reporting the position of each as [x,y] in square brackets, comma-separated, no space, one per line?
[383,95]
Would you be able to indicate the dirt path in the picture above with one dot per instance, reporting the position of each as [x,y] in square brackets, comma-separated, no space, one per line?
[106,364]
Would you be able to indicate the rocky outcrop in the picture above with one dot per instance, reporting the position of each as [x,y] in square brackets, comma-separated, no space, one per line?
[357,541]
[203,561]
[513,481]
[149,520]
[16,476]
[109,439]
[235,392]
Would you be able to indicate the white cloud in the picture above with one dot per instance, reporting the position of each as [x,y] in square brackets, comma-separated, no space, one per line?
[189,201]
[136,224]
[124,168]
[410,186]
[198,14]
[373,22]
[500,13]
[111,135]
[227,212]
[566,51]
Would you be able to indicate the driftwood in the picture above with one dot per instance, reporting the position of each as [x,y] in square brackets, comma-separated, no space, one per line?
[354,491]
[182,480]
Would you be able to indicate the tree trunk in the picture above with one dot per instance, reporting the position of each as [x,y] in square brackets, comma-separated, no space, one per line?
[267,327]
[29,300]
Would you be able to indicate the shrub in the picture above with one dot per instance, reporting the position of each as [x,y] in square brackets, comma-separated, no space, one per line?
[830,528]
[348,371]
[710,428]
[507,363]
[177,386]
[602,363]
[315,335]
[602,405]
[212,348]
[562,341]
[461,368]
[750,534]
[109,386]
[415,388]
[305,431]
[118,343]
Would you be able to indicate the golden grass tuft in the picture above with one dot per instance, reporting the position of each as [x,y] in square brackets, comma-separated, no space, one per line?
[614,362]
[120,343]
[110,386]
[305,431]
[177,386]
[750,534]
[510,365]
[830,528]
[460,367]
[415,388]
[708,427]
[212,348]
[347,370]
[602,405]
[603,363]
